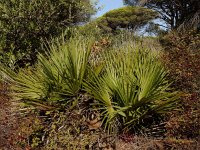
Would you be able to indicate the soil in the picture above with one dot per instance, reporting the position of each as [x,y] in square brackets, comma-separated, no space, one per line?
[8,122]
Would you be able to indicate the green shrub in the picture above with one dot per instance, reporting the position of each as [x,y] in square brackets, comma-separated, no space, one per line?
[57,76]
[128,84]
[24,24]
[131,87]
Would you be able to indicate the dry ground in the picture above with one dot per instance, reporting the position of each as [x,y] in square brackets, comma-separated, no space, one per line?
[10,129]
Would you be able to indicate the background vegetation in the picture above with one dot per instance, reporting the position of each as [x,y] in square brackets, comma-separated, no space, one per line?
[182,14]
[98,85]
[127,18]
[25,24]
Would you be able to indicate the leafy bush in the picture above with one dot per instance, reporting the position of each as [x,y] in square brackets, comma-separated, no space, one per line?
[24,24]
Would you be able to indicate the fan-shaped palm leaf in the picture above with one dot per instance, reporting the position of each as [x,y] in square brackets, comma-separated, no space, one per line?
[133,85]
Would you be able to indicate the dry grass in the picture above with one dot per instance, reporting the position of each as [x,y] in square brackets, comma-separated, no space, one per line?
[10,121]
[7,121]
[15,130]
[140,143]
[144,143]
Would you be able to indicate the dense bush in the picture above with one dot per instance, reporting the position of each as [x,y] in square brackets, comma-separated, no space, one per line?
[182,58]
[25,24]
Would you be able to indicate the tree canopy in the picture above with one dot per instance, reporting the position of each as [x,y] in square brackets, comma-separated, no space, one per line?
[23,23]
[128,17]
[176,13]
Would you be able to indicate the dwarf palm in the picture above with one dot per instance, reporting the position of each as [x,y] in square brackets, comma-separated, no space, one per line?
[58,75]
[131,86]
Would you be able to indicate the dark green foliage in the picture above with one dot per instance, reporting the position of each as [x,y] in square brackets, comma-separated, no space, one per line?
[127,17]
[176,13]
[24,24]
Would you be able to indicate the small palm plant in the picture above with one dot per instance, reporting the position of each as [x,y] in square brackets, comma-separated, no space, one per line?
[57,76]
[131,87]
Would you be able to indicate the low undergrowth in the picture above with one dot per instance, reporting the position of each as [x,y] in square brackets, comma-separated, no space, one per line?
[182,58]
[96,95]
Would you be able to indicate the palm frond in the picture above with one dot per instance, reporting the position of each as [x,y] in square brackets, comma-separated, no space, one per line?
[133,83]
[57,75]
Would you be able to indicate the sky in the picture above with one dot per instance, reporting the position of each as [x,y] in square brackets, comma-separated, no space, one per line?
[107,5]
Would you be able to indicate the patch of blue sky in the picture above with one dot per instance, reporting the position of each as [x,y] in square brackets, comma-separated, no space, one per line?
[107,5]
